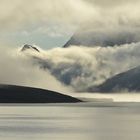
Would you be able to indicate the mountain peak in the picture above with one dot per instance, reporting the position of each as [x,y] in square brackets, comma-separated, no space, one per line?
[99,37]
[29,47]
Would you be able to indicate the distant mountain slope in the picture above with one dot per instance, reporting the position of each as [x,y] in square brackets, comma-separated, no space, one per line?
[127,81]
[102,38]
[20,94]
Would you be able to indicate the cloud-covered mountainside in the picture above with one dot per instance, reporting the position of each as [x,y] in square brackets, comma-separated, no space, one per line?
[82,68]
[76,68]
[16,68]
[67,69]
[107,42]
[123,82]
[104,37]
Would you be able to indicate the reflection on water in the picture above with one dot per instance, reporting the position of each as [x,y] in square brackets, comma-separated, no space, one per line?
[110,121]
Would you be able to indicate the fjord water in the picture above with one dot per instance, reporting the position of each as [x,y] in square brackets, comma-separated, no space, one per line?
[80,121]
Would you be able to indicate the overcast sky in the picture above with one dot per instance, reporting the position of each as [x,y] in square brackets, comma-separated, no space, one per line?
[50,23]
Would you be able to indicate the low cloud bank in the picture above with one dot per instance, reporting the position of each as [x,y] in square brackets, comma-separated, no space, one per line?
[67,69]
[83,67]
[17,69]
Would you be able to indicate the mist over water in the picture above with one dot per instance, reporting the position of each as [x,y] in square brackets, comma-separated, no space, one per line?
[116,97]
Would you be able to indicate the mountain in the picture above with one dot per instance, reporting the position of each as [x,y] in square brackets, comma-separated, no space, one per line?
[21,94]
[29,47]
[126,81]
[112,37]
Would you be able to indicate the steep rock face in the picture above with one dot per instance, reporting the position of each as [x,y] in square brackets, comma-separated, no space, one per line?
[103,38]
[20,94]
[126,81]
[29,47]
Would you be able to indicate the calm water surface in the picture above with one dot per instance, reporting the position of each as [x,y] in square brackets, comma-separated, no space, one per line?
[84,121]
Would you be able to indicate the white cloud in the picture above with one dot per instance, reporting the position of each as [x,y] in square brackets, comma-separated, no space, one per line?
[96,13]
[76,67]
[83,67]
[80,67]
[17,69]
[20,12]
[83,14]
